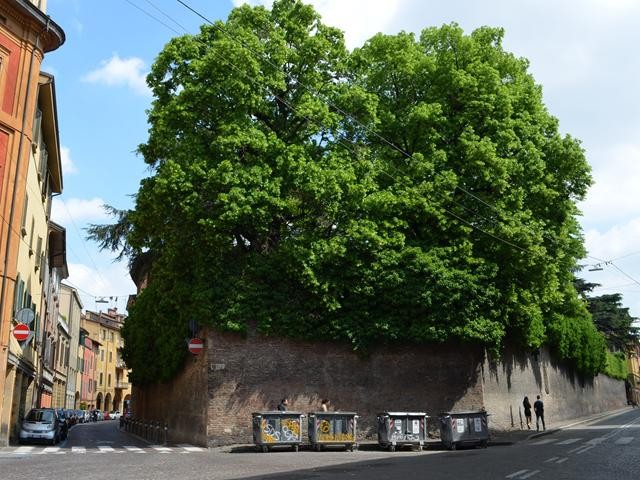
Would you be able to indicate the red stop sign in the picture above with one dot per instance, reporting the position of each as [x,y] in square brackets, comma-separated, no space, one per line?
[196,345]
[21,332]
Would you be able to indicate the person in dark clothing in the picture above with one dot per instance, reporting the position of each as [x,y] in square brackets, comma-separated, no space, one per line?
[538,407]
[527,411]
[284,403]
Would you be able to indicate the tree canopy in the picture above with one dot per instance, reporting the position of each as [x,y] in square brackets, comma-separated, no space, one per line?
[413,190]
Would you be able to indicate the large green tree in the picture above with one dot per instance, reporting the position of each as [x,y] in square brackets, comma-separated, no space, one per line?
[410,191]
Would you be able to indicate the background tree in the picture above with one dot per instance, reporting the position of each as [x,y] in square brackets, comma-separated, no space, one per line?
[414,190]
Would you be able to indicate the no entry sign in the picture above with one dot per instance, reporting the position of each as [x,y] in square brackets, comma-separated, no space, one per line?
[196,345]
[21,332]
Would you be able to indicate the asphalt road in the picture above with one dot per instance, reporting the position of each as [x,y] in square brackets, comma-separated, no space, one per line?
[606,449]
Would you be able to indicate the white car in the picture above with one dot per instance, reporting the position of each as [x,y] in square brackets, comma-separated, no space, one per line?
[115,415]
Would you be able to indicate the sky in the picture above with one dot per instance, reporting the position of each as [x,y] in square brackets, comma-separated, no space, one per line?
[582,53]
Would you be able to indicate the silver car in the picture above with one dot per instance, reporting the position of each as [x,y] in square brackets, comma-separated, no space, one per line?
[41,425]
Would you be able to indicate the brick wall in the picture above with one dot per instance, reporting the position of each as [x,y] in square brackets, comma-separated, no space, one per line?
[181,403]
[211,400]
[254,373]
[565,394]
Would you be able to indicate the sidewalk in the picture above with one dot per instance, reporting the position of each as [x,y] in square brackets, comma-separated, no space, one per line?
[508,437]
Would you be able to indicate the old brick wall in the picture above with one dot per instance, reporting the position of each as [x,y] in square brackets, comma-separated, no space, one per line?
[253,374]
[565,394]
[181,403]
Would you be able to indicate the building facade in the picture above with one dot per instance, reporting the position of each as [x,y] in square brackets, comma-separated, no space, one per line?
[70,311]
[26,34]
[88,352]
[113,390]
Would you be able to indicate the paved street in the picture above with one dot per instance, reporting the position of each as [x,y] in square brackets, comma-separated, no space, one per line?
[608,448]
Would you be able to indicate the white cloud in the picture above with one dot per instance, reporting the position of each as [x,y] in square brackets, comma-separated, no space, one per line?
[111,283]
[359,19]
[129,72]
[615,196]
[68,167]
[77,210]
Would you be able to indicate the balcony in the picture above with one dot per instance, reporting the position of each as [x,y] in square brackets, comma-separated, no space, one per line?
[122,385]
[120,364]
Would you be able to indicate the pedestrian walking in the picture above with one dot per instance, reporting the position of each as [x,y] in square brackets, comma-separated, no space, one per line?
[538,407]
[284,403]
[527,411]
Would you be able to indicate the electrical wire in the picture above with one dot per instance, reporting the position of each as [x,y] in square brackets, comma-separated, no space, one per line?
[319,123]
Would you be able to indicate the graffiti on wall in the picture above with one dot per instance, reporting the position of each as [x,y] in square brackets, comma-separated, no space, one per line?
[276,430]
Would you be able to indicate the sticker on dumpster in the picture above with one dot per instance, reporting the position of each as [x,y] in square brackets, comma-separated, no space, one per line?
[415,424]
[460,425]
[477,424]
[397,424]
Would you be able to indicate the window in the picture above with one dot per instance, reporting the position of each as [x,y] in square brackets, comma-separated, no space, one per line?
[101,357]
[109,380]
[23,228]
[37,122]
[38,252]
[103,334]
[111,336]
[33,226]
[110,357]
[100,379]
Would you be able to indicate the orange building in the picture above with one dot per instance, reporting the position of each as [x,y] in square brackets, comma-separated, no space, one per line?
[26,34]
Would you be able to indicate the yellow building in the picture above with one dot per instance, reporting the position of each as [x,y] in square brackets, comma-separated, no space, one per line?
[633,380]
[113,390]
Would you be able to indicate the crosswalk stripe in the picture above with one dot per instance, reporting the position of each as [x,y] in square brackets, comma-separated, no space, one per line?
[133,449]
[161,449]
[104,449]
[529,475]
[517,474]
[543,442]
[597,440]
[569,441]
[624,440]
[190,448]
[552,459]
[55,450]
[78,450]
[22,450]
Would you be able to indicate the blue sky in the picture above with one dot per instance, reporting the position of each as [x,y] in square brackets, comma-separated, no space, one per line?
[582,52]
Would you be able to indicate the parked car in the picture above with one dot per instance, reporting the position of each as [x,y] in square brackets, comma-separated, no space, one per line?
[41,425]
[72,417]
[64,421]
[115,415]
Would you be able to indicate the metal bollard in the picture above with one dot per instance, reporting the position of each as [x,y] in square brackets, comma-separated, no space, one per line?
[166,433]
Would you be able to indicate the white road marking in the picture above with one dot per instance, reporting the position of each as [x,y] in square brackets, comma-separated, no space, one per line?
[569,441]
[78,450]
[55,450]
[529,475]
[624,440]
[517,474]
[105,449]
[584,449]
[161,449]
[552,459]
[133,449]
[597,440]
[543,442]
[23,450]
[190,448]
[563,459]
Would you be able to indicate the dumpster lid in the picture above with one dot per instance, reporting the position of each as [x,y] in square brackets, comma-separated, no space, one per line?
[337,412]
[465,412]
[277,412]
[404,414]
